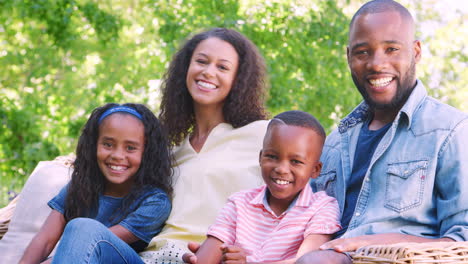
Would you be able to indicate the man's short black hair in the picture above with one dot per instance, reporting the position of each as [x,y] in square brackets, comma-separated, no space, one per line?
[380,6]
[300,119]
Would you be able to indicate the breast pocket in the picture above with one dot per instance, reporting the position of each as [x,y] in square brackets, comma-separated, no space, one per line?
[405,185]
[326,182]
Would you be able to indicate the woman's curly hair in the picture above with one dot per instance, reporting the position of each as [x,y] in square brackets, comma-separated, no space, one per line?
[88,182]
[244,103]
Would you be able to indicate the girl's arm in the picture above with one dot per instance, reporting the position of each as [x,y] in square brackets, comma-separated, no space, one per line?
[45,240]
[210,251]
[123,233]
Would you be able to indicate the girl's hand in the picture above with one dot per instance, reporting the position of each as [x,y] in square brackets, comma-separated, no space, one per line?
[233,255]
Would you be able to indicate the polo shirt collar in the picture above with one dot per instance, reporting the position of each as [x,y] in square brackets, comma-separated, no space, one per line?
[303,200]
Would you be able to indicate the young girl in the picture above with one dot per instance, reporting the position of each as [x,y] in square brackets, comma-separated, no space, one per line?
[118,196]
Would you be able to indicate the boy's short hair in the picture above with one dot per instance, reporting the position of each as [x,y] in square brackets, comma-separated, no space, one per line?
[300,119]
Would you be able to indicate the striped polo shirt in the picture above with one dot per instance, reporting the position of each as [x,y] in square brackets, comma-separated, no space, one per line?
[246,222]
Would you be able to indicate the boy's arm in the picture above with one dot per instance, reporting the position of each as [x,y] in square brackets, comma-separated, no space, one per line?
[44,241]
[352,244]
[210,251]
[311,242]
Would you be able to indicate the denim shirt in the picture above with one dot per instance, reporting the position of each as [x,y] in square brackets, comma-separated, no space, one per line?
[417,181]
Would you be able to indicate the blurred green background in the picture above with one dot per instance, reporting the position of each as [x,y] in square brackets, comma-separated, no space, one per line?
[59,59]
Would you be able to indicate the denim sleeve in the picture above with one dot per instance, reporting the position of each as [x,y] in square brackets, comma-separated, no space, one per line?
[58,202]
[148,219]
[451,182]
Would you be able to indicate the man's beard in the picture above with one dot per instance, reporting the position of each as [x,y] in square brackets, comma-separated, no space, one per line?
[404,89]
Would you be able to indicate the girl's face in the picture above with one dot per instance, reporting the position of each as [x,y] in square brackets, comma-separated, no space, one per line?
[211,73]
[120,148]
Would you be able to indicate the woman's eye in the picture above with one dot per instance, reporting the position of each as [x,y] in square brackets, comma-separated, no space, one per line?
[222,67]
[107,144]
[201,61]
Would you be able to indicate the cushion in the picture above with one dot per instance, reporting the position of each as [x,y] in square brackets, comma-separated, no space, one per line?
[31,209]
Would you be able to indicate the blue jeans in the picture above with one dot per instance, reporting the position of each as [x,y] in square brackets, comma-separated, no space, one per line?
[85,240]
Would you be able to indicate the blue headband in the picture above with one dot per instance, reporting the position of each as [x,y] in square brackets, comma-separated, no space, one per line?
[120,108]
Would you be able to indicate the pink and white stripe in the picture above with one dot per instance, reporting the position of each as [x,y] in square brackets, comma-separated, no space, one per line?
[245,222]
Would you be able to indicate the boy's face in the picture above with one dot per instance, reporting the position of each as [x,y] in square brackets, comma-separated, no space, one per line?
[289,158]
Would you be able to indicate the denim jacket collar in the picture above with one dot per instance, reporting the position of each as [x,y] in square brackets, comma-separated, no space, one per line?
[362,111]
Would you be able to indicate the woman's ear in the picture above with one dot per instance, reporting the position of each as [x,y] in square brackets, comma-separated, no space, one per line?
[317,169]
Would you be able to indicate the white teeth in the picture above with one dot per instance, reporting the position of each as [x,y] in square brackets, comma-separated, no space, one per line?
[280,182]
[380,82]
[206,85]
[117,168]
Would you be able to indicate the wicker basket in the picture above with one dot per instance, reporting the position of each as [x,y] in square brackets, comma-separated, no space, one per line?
[412,253]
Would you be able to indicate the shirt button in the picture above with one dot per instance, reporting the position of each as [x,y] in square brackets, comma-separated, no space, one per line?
[357,214]
[367,180]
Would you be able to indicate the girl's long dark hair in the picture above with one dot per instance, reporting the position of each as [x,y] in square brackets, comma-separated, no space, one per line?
[87,181]
[244,103]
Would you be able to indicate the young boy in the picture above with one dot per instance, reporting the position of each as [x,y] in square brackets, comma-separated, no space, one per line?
[283,219]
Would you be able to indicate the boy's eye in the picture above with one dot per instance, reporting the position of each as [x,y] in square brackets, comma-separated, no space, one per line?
[294,161]
[270,156]
[391,49]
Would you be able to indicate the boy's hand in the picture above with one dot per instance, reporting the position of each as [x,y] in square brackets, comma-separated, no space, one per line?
[190,257]
[233,255]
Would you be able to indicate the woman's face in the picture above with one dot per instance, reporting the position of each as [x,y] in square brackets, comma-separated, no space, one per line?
[211,73]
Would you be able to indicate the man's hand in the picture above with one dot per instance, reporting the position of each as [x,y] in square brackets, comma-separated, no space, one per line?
[233,255]
[190,257]
[352,244]
[349,244]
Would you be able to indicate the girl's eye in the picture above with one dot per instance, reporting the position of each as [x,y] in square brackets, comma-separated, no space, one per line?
[107,144]
[131,148]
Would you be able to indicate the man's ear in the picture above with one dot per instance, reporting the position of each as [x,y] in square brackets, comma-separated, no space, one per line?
[417,50]
[317,170]
[347,54]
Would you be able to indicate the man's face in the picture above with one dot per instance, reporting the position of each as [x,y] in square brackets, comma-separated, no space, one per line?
[382,57]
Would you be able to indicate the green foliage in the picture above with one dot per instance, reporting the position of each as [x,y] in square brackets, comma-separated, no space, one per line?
[59,59]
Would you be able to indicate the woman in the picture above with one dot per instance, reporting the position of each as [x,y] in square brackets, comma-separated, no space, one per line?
[213,110]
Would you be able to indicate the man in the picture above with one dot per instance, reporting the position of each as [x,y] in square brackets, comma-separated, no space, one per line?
[398,163]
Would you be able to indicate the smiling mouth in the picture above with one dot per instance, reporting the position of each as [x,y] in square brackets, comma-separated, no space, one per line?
[281,182]
[206,85]
[381,82]
[117,168]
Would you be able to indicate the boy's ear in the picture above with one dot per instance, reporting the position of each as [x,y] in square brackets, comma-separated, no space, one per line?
[260,156]
[317,170]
